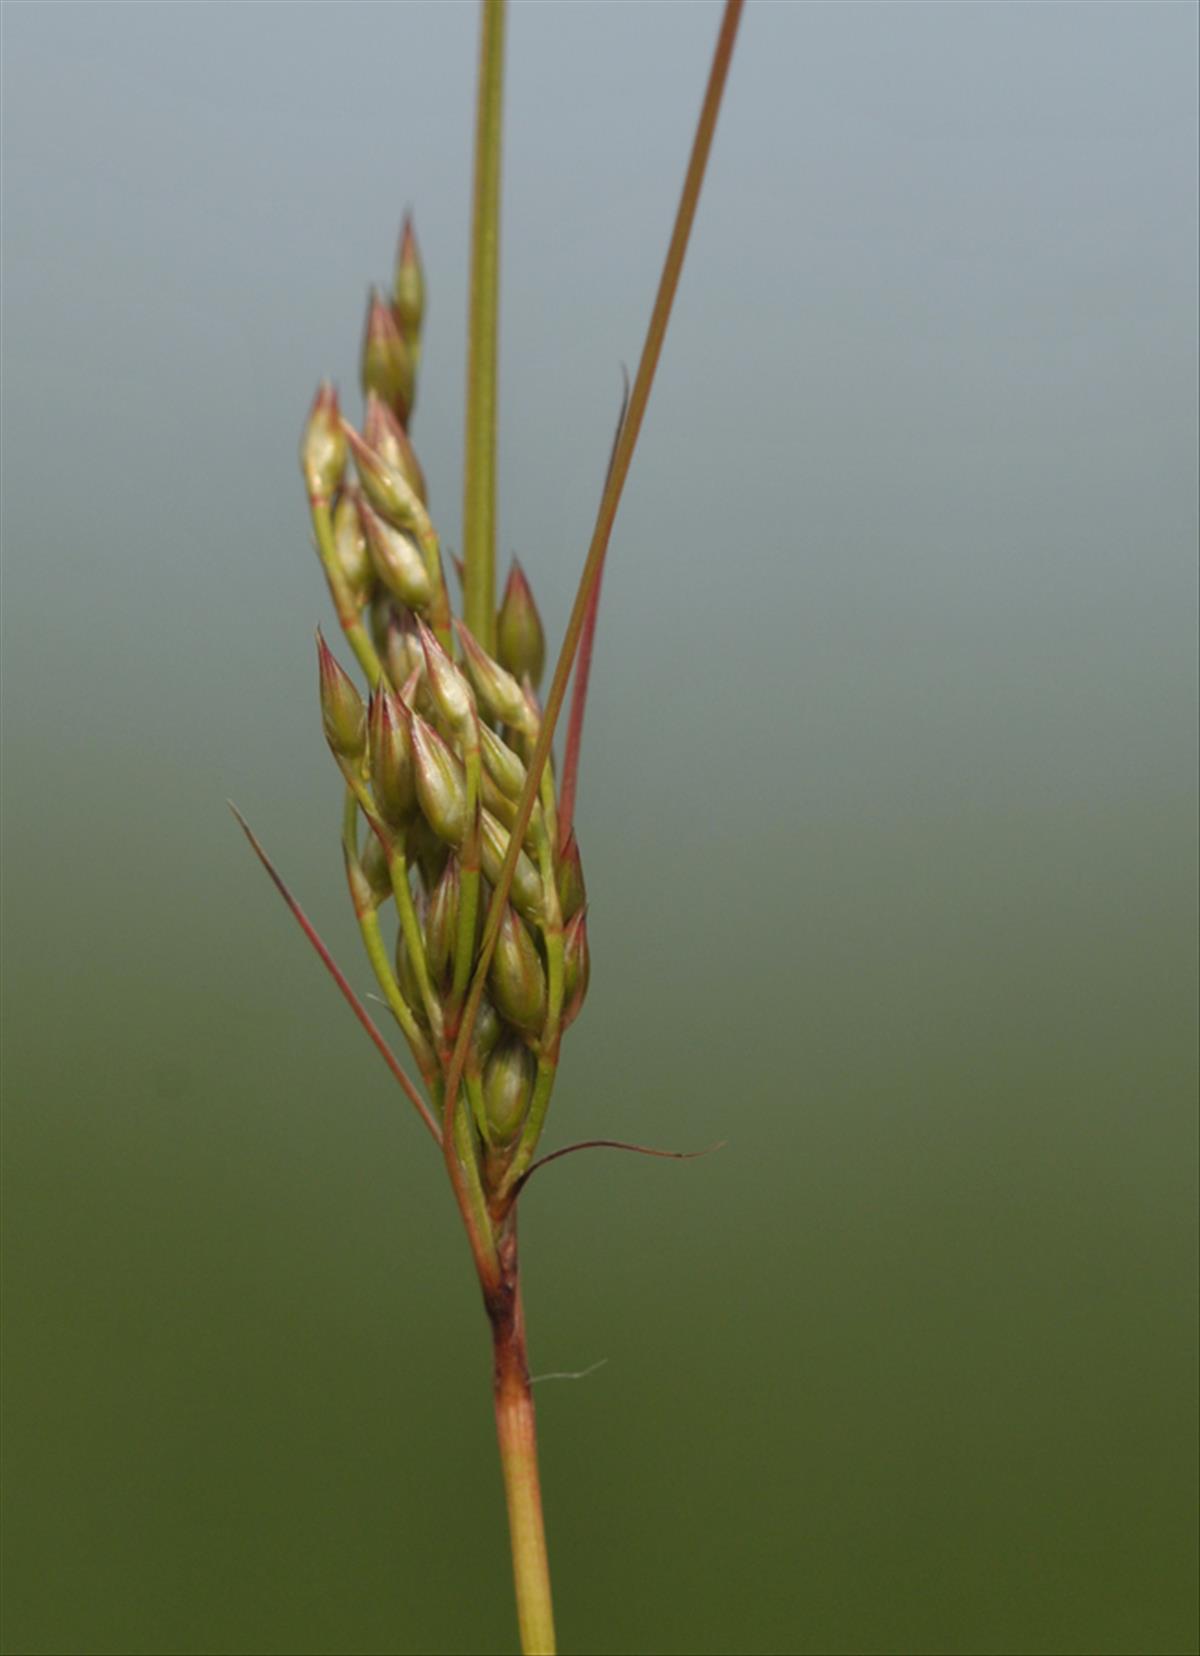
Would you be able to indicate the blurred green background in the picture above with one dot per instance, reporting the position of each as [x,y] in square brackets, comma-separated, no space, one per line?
[888,814]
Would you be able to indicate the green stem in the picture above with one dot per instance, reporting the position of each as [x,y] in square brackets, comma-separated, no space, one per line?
[461,1154]
[393,842]
[549,813]
[466,1149]
[348,612]
[479,481]
[350,823]
[547,1073]
[411,927]
[377,954]
[473,1086]
[605,517]
[468,895]
[547,1065]
[535,1120]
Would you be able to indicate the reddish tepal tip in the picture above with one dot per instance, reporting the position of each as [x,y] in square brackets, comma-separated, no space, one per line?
[408,693]
[429,643]
[381,324]
[362,450]
[517,585]
[408,240]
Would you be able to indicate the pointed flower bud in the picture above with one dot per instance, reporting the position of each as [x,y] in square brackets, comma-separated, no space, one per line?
[388,490]
[520,641]
[408,290]
[392,773]
[572,893]
[402,650]
[501,807]
[505,811]
[441,923]
[500,696]
[517,980]
[383,431]
[441,786]
[342,710]
[577,968]
[487,1031]
[450,689]
[387,365]
[507,1088]
[416,694]
[397,561]
[526,886]
[323,445]
[350,549]
[501,763]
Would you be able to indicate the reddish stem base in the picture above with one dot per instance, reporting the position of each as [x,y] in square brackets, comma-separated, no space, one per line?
[516,1431]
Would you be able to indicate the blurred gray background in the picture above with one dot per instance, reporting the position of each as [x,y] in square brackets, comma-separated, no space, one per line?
[888,813]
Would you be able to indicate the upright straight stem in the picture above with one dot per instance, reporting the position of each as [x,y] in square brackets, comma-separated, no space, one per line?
[517,1434]
[515,1428]
[479,477]
[618,471]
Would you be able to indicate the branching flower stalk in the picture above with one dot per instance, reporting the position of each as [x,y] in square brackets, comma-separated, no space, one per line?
[452,815]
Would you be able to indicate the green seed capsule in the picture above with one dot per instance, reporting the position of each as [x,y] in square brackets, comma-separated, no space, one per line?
[408,291]
[387,364]
[526,885]
[520,641]
[441,923]
[507,1088]
[388,490]
[500,696]
[350,549]
[402,649]
[323,445]
[393,779]
[572,893]
[397,561]
[505,812]
[501,807]
[516,977]
[383,431]
[450,689]
[374,864]
[577,968]
[441,785]
[487,1031]
[501,764]
[342,712]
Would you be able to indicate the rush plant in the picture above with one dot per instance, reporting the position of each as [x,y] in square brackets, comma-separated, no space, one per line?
[457,833]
